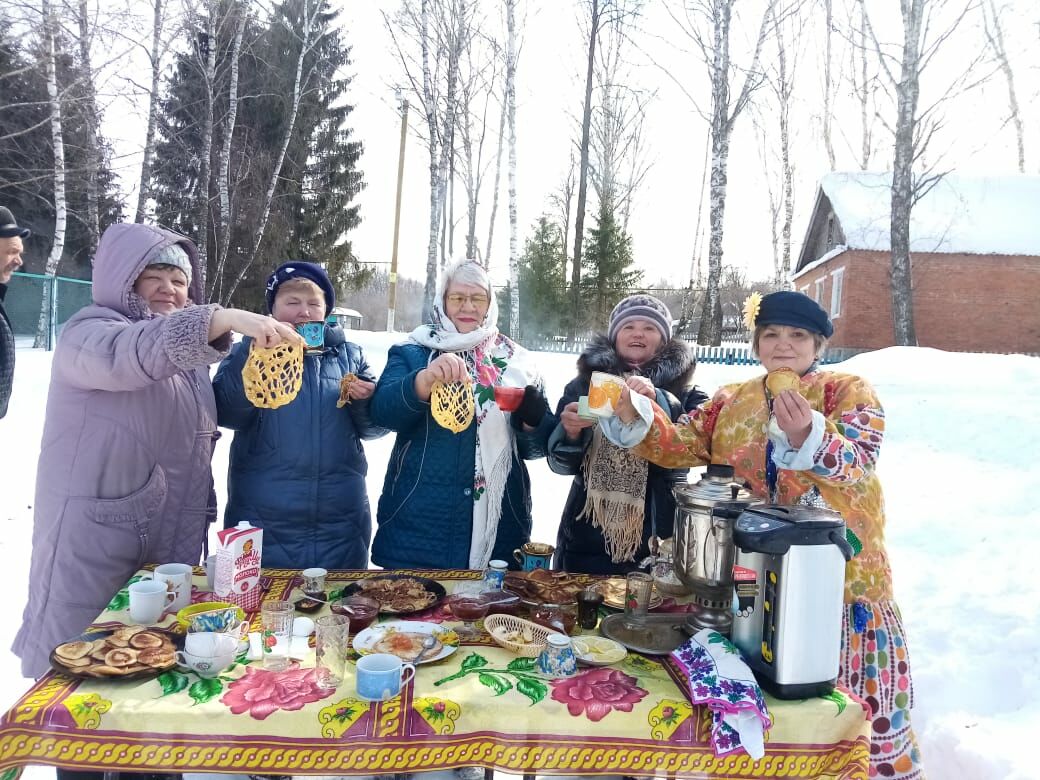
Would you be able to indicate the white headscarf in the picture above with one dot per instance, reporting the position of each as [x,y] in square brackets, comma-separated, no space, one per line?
[441,334]
[485,351]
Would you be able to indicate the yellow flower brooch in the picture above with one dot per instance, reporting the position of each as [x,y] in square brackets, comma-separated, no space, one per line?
[751,307]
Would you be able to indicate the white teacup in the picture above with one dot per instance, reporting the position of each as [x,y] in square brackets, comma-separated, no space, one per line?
[148,600]
[208,653]
[177,577]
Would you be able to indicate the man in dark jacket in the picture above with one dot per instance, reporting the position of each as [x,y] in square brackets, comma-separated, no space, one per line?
[10,261]
[618,501]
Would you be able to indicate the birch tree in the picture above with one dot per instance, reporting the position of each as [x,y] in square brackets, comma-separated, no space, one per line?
[914,130]
[707,25]
[601,15]
[440,30]
[993,28]
[49,33]
[310,10]
[787,24]
[618,163]
[596,9]
[828,81]
[514,269]
[92,121]
[155,53]
[223,231]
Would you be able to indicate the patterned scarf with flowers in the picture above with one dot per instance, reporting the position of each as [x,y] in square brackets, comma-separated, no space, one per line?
[493,360]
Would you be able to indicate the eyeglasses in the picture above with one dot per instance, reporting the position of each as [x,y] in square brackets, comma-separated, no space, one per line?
[457,299]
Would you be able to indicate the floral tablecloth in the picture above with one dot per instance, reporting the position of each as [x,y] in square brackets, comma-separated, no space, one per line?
[480,706]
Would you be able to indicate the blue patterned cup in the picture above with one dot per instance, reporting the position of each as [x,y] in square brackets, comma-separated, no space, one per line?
[313,334]
[534,555]
[380,676]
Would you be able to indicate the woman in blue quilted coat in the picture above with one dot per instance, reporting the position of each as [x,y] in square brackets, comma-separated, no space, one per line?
[298,471]
[457,500]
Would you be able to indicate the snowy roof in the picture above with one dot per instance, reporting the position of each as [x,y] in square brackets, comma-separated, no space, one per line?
[962,214]
[341,311]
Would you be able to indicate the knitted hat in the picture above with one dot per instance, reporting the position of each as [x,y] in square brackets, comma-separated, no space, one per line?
[640,307]
[795,309]
[300,269]
[175,255]
[8,227]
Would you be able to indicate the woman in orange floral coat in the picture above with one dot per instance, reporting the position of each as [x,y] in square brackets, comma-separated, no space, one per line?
[815,443]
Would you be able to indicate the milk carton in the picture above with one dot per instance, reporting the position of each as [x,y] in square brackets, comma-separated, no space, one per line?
[238,566]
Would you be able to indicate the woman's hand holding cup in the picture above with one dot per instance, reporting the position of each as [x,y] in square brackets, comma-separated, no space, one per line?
[643,386]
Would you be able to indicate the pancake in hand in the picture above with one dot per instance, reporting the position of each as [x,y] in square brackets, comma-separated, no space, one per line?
[782,379]
[344,390]
[273,376]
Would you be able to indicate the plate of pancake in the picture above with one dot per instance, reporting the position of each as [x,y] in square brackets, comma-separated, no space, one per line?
[398,594]
[404,638]
[125,653]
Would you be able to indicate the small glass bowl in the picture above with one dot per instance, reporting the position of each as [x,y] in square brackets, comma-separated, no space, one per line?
[363,611]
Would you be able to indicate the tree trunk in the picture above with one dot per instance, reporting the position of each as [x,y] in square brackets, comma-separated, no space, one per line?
[907,90]
[43,330]
[498,182]
[308,18]
[995,37]
[202,206]
[153,102]
[440,129]
[91,156]
[864,95]
[514,262]
[223,234]
[828,142]
[786,88]
[710,331]
[583,168]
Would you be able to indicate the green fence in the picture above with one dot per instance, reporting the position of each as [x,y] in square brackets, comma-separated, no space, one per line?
[40,305]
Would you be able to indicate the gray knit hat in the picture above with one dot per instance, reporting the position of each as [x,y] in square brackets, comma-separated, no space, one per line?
[640,307]
[174,255]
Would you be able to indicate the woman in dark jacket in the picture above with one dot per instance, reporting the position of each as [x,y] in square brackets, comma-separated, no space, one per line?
[298,471]
[457,500]
[618,501]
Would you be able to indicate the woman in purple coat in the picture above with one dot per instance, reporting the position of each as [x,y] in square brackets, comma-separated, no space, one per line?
[124,474]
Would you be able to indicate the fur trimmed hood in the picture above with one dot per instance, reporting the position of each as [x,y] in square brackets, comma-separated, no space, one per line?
[671,368]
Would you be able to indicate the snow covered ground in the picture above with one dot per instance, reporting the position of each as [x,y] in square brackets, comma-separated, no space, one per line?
[961,473]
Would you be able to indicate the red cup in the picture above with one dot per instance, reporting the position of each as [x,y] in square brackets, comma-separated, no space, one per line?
[509,398]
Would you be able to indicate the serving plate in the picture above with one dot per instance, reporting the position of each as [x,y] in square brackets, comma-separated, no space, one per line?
[613,591]
[366,639]
[97,667]
[598,651]
[658,635]
[431,586]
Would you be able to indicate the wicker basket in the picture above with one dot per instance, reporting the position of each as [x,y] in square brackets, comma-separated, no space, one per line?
[510,623]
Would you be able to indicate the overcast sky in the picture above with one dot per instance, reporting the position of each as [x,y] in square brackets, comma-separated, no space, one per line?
[550,83]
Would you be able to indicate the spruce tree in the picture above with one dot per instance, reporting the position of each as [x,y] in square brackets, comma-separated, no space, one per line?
[608,273]
[542,289]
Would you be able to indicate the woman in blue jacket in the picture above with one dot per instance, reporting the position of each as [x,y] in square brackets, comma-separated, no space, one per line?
[455,501]
[299,471]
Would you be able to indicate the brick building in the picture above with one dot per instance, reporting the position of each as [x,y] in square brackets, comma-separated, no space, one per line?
[975,250]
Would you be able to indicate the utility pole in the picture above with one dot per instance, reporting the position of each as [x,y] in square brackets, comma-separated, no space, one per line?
[392,304]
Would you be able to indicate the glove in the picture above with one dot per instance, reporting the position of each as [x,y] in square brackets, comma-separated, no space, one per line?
[532,408]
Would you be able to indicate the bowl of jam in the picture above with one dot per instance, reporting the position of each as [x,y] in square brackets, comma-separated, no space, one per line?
[360,610]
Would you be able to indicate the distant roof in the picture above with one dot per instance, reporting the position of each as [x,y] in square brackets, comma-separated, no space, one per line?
[341,311]
[962,214]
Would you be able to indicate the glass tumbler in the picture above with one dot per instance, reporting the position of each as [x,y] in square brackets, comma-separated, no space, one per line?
[276,618]
[638,587]
[331,641]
